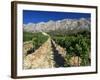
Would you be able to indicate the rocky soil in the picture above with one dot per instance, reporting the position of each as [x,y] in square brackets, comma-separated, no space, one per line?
[49,55]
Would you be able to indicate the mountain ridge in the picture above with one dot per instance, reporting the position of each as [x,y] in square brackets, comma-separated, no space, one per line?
[64,24]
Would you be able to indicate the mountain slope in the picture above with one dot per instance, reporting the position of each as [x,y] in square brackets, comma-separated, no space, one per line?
[65,24]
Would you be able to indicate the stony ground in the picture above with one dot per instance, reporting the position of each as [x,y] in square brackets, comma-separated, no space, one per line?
[47,56]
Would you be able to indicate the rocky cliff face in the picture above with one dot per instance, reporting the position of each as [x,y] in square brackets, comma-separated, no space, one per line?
[65,24]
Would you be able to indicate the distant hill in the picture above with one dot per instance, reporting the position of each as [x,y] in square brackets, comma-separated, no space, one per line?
[70,25]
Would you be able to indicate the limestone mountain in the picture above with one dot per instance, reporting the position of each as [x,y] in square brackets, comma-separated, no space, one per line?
[71,25]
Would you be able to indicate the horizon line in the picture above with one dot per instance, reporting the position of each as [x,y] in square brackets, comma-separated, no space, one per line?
[56,20]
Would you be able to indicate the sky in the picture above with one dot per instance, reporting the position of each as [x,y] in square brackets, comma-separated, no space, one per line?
[31,16]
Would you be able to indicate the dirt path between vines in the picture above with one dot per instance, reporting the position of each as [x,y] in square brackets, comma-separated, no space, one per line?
[49,55]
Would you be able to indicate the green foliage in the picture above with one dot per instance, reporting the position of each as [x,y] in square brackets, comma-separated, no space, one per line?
[76,44]
[27,36]
[37,38]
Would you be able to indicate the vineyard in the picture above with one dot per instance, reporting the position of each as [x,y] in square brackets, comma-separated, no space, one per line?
[75,45]
[37,39]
